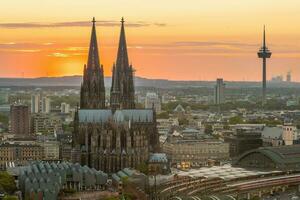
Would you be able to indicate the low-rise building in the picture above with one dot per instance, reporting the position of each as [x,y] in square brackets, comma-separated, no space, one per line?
[158,164]
[164,125]
[45,124]
[51,149]
[289,134]
[153,100]
[195,152]
[12,154]
[65,151]
[44,180]
[272,136]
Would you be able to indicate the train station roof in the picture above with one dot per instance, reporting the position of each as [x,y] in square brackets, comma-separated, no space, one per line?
[226,172]
[283,157]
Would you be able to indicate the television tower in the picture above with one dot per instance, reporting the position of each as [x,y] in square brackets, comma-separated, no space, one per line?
[264,53]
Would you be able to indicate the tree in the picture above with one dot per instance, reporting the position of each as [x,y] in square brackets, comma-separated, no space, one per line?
[7,182]
[143,167]
[208,129]
[236,120]
[163,115]
[4,119]
[8,197]
[183,121]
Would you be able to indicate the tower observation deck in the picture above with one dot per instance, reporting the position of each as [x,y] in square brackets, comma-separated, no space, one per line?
[264,53]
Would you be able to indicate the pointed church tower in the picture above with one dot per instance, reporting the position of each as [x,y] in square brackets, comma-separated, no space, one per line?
[92,95]
[122,89]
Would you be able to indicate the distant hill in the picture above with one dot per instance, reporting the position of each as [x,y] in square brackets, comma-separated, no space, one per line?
[139,81]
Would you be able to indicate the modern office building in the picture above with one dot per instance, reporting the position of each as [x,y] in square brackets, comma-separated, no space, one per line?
[219,92]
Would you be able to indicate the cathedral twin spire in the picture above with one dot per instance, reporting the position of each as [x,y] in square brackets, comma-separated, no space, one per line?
[93,59]
[122,90]
[93,90]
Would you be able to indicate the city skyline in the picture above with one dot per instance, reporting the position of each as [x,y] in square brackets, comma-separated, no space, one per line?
[209,41]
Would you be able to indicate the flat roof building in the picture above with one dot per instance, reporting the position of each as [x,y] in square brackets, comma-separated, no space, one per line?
[19,119]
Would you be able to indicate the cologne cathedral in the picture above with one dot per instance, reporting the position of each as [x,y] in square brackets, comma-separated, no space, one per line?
[115,135]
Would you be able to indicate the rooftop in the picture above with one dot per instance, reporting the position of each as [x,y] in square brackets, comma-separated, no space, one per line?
[226,172]
[104,115]
[280,154]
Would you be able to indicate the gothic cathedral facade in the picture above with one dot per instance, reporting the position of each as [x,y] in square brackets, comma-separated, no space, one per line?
[115,136]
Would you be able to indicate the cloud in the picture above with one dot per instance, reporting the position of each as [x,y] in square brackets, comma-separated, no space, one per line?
[212,43]
[160,24]
[76,48]
[23,45]
[60,55]
[48,43]
[75,24]
[28,50]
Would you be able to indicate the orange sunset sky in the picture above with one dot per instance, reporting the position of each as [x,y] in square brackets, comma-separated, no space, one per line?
[172,39]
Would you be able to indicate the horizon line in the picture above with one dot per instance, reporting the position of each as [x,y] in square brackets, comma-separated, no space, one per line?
[183,80]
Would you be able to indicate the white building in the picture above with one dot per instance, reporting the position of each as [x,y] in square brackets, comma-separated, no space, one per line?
[289,134]
[40,104]
[65,108]
[35,103]
[219,92]
[151,100]
[45,105]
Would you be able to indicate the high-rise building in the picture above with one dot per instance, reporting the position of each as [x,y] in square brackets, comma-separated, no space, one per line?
[264,53]
[65,108]
[119,136]
[45,105]
[35,103]
[19,119]
[289,76]
[219,92]
[152,100]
